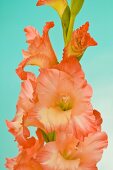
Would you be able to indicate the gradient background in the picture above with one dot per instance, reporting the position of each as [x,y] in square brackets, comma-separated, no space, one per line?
[97,61]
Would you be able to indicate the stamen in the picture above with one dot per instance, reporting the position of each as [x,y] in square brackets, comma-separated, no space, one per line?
[65,103]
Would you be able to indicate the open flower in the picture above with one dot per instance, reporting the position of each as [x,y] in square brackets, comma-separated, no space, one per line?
[67,152]
[26,158]
[79,42]
[19,125]
[64,99]
[40,51]
[58,5]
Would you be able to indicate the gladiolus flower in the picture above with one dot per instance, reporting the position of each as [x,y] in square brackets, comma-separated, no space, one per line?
[64,99]
[57,103]
[58,5]
[26,158]
[40,51]
[79,42]
[67,152]
[27,100]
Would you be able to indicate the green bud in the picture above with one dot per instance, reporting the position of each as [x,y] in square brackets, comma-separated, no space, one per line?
[76,6]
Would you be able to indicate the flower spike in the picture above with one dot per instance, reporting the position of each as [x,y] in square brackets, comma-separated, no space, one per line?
[57,102]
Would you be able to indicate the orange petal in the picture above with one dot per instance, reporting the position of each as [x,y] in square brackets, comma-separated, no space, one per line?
[26,102]
[71,66]
[79,42]
[25,160]
[21,133]
[98,118]
[92,148]
[31,34]
[40,51]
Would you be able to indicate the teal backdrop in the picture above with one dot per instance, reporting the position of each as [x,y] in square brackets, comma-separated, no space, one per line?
[97,61]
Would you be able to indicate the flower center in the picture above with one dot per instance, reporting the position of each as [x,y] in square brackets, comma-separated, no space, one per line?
[70,153]
[65,102]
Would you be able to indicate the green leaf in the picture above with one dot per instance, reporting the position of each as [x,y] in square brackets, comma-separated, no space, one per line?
[65,21]
[76,6]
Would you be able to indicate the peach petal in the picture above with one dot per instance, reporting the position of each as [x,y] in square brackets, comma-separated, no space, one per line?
[23,161]
[26,102]
[94,143]
[53,119]
[71,66]
[20,132]
[27,157]
[31,33]
[40,51]
[98,118]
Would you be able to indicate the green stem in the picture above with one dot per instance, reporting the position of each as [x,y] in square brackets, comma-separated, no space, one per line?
[70,29]
[64,35]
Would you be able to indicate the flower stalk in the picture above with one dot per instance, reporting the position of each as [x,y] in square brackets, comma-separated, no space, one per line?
[75,8]
[57,102]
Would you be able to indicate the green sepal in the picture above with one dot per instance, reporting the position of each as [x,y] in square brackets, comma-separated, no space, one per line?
[48,137]
[65,21]
[76,6]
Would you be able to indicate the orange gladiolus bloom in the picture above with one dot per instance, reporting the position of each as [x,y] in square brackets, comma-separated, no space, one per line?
[40,51]
[79,42]
[67,152]
[64,99]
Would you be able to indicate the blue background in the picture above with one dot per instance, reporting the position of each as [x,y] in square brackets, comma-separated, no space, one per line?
[97,61]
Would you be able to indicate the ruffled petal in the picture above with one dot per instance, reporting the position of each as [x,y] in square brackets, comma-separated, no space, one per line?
[98,119]
[83,122]
[58,5]
[21,133]
[72,67]
[10,163]
[19,125]
[79,42]
[92,148]
[31,34]
[40,51]
[25,160]
[15,164]
[27,157]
